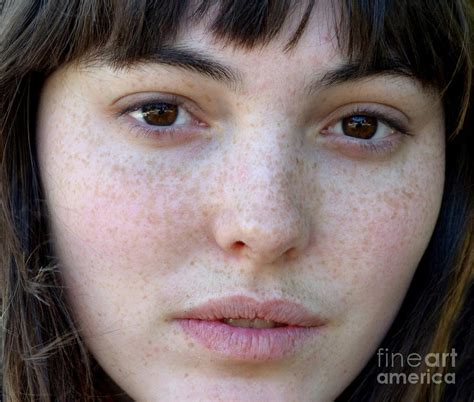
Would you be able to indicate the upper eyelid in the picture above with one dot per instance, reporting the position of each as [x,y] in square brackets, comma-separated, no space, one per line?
[137,106]
[193,118]
[386,114]
[126,105]
[381,118]
[369,107]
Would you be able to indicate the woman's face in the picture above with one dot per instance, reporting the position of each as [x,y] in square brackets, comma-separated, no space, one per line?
[187,201]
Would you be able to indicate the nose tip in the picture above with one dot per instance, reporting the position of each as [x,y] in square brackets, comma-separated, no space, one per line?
[264,240]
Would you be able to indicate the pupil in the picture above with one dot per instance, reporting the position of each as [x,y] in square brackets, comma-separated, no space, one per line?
[360,126]
[160,114]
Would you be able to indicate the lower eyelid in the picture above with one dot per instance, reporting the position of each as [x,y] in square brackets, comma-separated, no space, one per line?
[164,136]
[353,147]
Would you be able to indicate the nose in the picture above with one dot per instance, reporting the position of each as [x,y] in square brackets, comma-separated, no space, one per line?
[261,216]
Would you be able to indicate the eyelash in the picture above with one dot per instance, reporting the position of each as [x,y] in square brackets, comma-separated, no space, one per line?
[170,133]
[378,146]
[165,133]
[381,117]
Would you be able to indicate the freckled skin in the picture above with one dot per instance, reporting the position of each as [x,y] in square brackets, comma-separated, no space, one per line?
[261,208]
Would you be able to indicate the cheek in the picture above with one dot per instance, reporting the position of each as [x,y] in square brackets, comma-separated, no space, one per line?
[385,240]
[372,240]
[127,214]
[400,227]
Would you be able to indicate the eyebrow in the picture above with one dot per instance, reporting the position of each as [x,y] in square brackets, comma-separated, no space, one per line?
[206,65]
[352,71]
[198,62]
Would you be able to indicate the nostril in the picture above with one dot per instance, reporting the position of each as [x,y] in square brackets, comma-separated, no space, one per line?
[238,245]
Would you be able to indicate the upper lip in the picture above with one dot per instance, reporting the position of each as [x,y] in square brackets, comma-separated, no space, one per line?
[243,307]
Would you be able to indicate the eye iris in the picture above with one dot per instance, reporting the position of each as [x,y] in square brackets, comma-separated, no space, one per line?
[363,127]
[160,114]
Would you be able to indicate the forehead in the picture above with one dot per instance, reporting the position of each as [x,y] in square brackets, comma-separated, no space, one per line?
[198,47]
[317,46]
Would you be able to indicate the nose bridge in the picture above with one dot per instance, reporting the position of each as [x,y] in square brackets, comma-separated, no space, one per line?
[261,215]
[266,179]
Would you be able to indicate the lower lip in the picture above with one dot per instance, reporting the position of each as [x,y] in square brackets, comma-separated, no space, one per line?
[255,344]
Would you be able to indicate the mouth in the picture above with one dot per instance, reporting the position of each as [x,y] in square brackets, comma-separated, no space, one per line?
[242,328]
[255,323]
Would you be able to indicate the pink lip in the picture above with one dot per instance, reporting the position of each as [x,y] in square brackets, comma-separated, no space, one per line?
[203,324]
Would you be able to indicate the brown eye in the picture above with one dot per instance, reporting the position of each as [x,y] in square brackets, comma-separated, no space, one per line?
[160,114]
[360,126]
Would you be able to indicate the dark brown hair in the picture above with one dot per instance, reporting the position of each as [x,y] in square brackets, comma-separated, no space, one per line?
[431,40]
